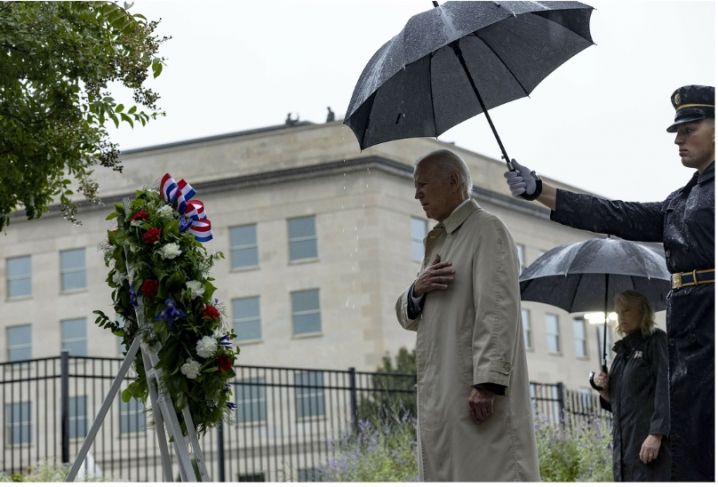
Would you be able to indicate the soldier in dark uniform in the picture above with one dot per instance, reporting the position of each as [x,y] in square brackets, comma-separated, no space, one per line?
[685,224]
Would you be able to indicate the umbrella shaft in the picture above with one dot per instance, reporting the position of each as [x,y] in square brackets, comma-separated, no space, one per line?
[457,51]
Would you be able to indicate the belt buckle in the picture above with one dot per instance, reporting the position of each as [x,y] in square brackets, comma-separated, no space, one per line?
[677,281]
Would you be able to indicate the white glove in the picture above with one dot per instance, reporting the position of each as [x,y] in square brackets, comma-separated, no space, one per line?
[523,182]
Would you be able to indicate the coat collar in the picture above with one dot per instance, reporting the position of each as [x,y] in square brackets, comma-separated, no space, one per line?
[460,214]
[708,174]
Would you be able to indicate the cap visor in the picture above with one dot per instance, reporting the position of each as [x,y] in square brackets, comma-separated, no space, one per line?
[674,127]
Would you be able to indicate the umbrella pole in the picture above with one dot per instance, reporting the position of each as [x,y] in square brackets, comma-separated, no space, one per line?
[457,51]
[605,324]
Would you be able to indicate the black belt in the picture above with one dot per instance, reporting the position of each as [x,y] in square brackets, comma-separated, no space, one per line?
[692,278]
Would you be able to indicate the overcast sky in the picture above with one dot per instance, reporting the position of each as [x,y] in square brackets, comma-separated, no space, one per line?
[597,122]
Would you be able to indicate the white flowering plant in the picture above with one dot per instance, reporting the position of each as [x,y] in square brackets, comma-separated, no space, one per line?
[162,291]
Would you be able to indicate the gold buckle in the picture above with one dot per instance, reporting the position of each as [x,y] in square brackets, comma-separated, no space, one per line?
[677,282]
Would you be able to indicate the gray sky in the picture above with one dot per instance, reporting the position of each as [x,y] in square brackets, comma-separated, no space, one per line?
[597,122]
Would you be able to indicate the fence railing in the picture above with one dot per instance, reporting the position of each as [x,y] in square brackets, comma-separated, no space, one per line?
[286,426]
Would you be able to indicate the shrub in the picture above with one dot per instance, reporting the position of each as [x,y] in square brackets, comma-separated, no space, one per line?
[384,453]
[582,453]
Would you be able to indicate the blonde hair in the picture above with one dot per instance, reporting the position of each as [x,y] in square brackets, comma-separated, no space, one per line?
[450,163]
[647,323]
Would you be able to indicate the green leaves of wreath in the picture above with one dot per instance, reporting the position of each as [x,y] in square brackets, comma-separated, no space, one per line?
[159,274]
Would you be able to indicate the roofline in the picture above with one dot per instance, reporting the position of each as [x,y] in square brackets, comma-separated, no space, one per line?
[214,138]
[331,168]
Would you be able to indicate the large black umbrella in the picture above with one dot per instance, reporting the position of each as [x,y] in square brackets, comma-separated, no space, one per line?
[585,276]
[460,59]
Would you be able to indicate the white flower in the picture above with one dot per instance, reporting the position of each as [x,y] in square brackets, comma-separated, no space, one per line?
[206,346]
[196,289]
[112,263]
[136,223]
[170,251]
[165,211]
[190,369]
[118,277]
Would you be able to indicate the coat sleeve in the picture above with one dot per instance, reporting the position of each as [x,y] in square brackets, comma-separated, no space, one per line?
[402,312]
[660,419]
[630,221]
[496,304]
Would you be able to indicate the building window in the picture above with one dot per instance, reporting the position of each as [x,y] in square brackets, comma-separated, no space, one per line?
[302,238]
[309,474]
[579,337]
[251,400]
[526,323]
[18,423]
[78,416]
[246,319]
[132,416]
[74,336]
[19,342]
[306,314]
[243,246]
[521,252]
[72,269]
[419,229]
[309,394]
[553,336]
[19,277]
[251,477]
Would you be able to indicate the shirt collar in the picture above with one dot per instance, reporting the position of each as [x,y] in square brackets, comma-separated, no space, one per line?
[460,214]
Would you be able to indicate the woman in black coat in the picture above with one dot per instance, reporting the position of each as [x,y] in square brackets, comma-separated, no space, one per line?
[636,391]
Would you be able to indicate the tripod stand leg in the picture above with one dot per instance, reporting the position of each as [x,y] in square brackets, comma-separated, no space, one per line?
[159,423]
[169,415]
[192,433]
[114,389]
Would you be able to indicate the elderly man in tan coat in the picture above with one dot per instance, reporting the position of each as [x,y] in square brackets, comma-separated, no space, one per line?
[474,410]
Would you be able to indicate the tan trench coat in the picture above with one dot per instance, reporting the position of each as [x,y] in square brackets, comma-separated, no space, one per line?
[471,334]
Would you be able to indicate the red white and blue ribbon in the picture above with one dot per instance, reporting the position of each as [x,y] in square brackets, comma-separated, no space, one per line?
[179,195]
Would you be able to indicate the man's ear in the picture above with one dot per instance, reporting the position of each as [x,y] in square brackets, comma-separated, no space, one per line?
[454,180]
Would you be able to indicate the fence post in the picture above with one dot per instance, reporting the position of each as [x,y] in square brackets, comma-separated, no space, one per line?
[561,388]
[353,397]
[65,405]
[220,451]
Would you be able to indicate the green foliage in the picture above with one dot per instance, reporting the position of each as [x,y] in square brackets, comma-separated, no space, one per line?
[579,454]
[151,278]
[376,453]
[38,473]
[57,60]
[385,403]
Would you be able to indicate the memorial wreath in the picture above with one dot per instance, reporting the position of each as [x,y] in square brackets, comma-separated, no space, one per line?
[162,292]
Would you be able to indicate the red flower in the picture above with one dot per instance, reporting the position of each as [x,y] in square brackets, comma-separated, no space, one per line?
[140,215]
[149,287]
[224,363]
[210,312]
[151,236]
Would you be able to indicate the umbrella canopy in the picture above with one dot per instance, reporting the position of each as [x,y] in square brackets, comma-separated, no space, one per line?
[583,276]
[460,59]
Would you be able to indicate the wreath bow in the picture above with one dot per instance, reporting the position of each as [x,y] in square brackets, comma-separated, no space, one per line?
[192,214]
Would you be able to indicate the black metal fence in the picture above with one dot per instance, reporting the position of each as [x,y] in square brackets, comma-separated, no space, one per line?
[286,426]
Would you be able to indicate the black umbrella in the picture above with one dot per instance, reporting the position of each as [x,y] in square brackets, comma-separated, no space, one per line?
[460,59]
[583,276]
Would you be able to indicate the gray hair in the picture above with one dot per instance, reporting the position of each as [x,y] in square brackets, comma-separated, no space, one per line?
[450,163]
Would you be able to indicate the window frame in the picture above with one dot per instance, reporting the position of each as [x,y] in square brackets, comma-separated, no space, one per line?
[313,395]
[258,319]
[306,312]
[291,239]
[10,278]
[557,335]
[9,348]
[83,340]
[64,271]
[233,248]
[414,238]
[253,384]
